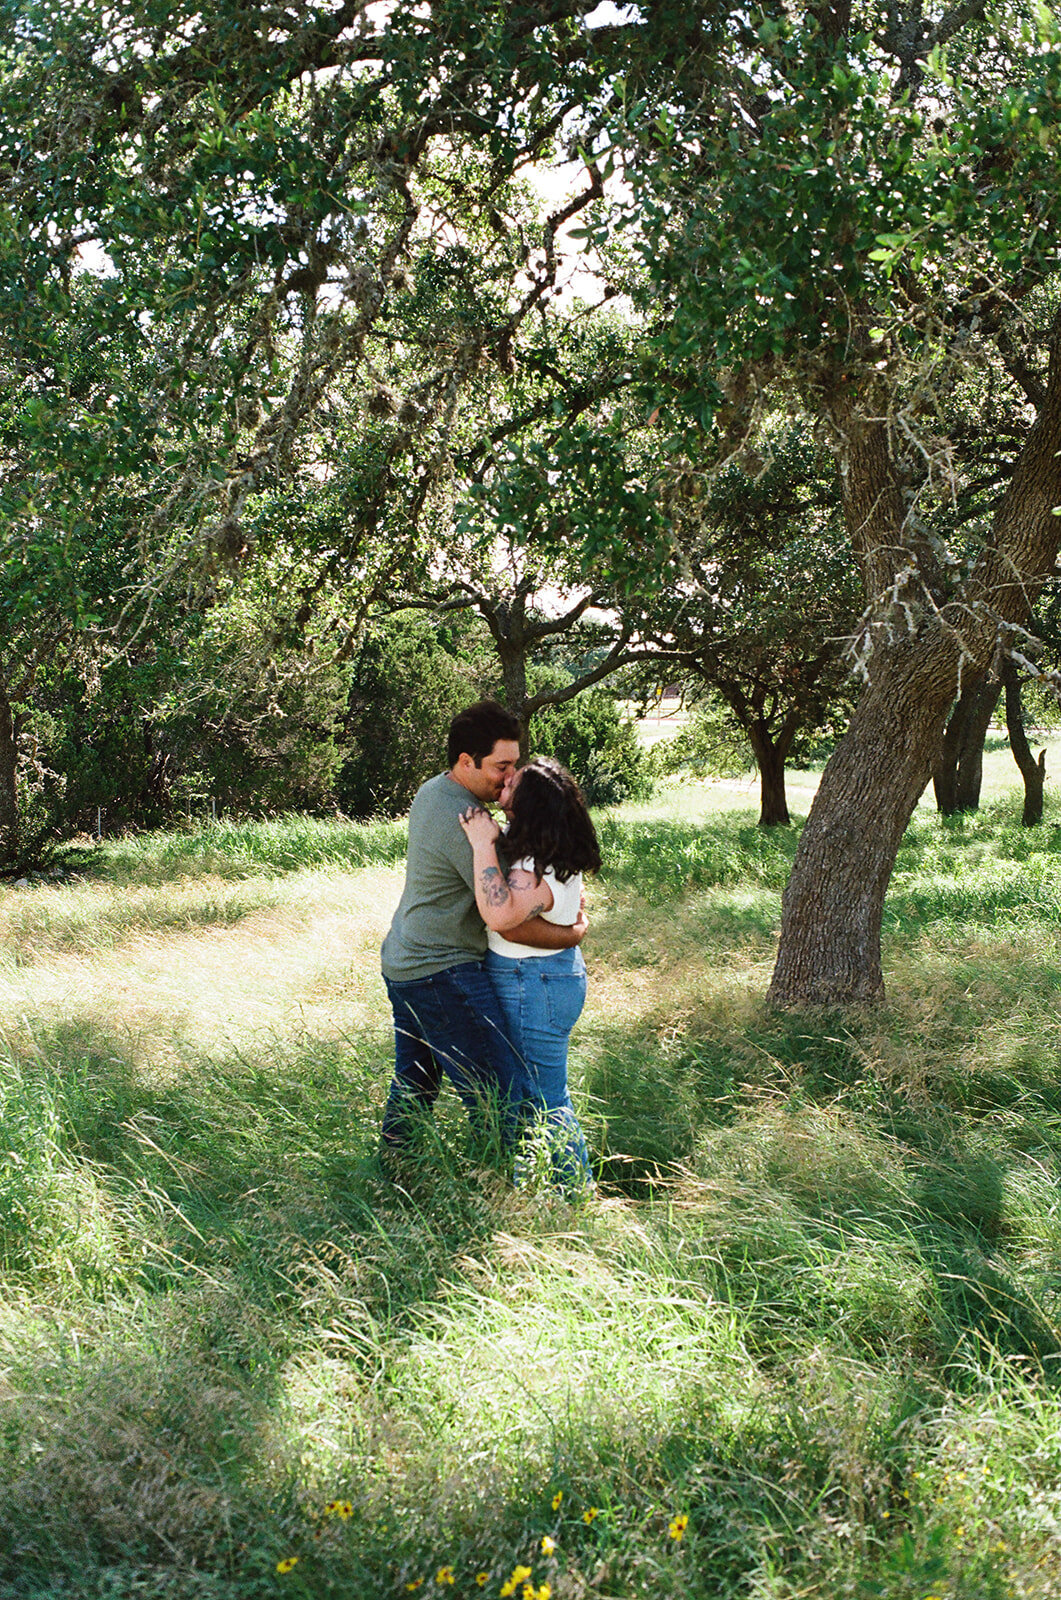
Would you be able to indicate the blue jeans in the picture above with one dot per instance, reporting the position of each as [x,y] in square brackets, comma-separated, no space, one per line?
[450,1025]
[542,999]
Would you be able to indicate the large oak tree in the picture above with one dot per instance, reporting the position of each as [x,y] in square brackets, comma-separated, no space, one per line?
[859,204]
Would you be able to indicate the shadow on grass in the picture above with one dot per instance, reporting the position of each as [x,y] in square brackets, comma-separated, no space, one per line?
[643,1114]
[261,1174]
[241,1217]
[833,1171]
[237,1220]
[995,830]
[969,903]
[761,1483]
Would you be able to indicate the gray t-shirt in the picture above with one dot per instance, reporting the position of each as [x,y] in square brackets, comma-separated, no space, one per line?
[436,924]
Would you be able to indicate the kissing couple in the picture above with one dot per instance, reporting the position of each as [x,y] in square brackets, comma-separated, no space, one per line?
[482,961]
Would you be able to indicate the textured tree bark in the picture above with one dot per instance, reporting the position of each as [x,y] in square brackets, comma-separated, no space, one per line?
[770,759]
[958,772]
[1032,771]
[829,951]
[507,621]
[9,821]
[971,754]
[514,677]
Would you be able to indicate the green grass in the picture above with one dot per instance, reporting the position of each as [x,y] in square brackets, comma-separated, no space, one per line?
[817,1309]
[245,849]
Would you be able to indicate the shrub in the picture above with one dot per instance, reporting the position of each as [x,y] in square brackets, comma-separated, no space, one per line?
[710,744]
[593,737]
[405,690]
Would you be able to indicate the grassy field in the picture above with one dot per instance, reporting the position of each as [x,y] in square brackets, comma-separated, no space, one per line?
[816,1311]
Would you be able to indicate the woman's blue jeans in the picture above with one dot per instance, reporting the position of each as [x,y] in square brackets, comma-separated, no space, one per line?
[541,1000]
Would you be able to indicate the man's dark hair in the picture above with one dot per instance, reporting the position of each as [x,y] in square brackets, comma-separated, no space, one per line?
[550,822]
[475,730]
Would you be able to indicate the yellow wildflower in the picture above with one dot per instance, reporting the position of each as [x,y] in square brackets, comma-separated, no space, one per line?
[678,1525]
[528,1591]
[590,1515]
[545,1591]
[444,1575]
[288,1564]
[414,1585]
[482,1579]
[520,1575]
[548,1546]
[557,1497]
[507,1589]
[339,1508]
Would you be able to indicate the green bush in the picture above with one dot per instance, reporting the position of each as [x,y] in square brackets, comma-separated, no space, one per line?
[216,707]
[709,745]
[405,690]
[598,742]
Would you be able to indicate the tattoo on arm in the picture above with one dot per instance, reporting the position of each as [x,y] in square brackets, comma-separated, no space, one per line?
[495,889]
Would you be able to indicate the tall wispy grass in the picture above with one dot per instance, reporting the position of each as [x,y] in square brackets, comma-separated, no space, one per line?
[241,849]
[816,1311]
[659,858]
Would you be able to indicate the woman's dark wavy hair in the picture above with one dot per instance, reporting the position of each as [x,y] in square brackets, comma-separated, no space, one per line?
[550,822]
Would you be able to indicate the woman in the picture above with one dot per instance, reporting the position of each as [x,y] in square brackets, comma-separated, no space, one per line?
[550,842]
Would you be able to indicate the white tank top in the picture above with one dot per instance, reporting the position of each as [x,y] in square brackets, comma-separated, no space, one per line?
[567,897]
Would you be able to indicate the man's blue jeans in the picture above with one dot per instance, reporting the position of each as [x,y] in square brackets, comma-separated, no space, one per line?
[451,1025]
[542,998]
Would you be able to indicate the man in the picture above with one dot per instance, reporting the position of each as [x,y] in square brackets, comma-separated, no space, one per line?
[446,1016]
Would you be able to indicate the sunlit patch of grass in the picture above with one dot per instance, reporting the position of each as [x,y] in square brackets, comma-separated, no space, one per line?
[195,968]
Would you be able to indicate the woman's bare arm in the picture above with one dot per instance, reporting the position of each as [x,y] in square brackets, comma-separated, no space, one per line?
[504,901]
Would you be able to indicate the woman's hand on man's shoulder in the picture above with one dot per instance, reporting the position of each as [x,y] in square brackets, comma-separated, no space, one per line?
[479,826]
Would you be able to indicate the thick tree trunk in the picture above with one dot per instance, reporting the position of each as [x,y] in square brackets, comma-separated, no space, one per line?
[770,759]
[514,678]
[9,822]
[831,912]
[1033,772]
[958,771]
[829,951]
